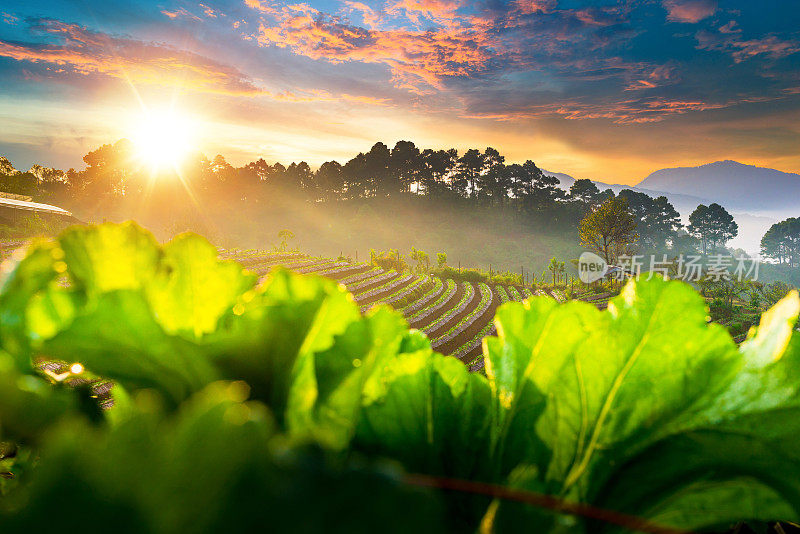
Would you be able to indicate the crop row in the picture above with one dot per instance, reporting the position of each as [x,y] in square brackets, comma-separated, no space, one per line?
[514,294]
[466,298]
[435,291]
[502,294]
[254,253]
[262,267]
[467,320]
[383,288]
[435,305]
[477,364]
[382,276]
[527,293]
[595,297]
[330,271]
[404,292]
[469,345]
[264,259]
[558,295]
[322,266]
[355,278]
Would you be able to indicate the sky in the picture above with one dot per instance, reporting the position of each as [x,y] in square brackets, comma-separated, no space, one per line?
[607,90]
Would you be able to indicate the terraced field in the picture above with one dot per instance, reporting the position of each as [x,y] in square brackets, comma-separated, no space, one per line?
[455,315]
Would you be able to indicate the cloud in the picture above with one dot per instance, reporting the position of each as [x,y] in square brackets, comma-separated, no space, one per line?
[631,111]
[8,18]
[528,7]
[730,27]
[658,77]
[458,42]
[691,11]
[418,60]
[741,49]
[84,52]
[180,13]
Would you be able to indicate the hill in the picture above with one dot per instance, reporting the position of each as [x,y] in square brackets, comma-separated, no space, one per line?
[757,197]
[455,314]
[736,186]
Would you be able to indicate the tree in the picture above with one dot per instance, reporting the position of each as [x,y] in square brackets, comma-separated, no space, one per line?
[6,167]
[383,184]
[285,235]
[782,242]
[540,190]
[435,166]
[556,268]
[469,168]
[330,180]
[658,222]
[422,259]
[586,191]
[404,164]
[774,292]
[609,230]
[357,183]
[493,182]
[713,225]
[441,260]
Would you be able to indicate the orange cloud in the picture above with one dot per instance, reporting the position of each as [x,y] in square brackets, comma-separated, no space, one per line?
[634,111]
[85,52]
[691,11]
[180,14]
[418,60]
[741,49]
[528,7]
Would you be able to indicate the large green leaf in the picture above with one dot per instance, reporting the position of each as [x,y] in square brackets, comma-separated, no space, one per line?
[741,445]
[192,288]
[107,257]
[327,388]
[135,351]
[25,279]
[429,412]
[269,340]
[655,413]
[216,465]
[536,341]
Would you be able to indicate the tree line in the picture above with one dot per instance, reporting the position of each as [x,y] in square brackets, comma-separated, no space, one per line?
[476,179]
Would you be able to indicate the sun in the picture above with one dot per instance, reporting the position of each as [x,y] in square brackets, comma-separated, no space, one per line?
[163,138]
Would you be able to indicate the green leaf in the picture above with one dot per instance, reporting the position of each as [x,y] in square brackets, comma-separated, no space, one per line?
[29,405]
[192,288]
[109,256]
[536,340]
[742,444]
[27,277]
[643,376]
[430,413]
[269,339]
[134,351]
[656,414]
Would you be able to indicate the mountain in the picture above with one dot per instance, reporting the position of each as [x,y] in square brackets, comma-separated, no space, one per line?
[565,180]
[734,185]
[685,204]
[753,221]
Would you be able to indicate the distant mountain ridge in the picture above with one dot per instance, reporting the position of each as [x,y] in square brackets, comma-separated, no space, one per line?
[755,196]
[734,185]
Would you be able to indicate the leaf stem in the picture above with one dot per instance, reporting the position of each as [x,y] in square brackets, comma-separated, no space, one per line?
[541,500]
